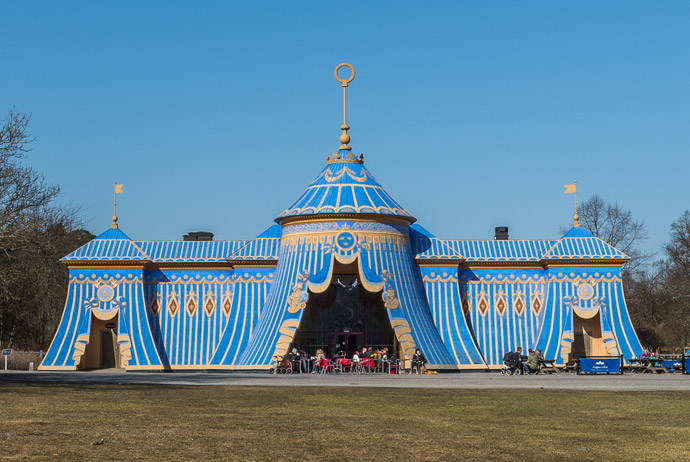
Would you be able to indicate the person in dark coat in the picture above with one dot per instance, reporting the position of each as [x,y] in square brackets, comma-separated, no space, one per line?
[418,362]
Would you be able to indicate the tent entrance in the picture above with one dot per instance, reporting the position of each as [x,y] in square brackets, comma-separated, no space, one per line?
[345,342]
[345,317]
[102,351]
[588,340]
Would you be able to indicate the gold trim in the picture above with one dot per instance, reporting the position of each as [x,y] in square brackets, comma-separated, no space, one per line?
[367,217]
[105,263]
[450,263]
[253,263]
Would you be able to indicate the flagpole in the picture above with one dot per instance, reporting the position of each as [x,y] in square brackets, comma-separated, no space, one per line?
[114,225]
[576,217]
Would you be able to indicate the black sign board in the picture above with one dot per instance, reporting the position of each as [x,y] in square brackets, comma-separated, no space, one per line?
[6,352]
[110,325]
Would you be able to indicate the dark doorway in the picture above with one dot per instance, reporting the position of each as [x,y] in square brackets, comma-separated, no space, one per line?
[346,317]
[345,343]
[107,349]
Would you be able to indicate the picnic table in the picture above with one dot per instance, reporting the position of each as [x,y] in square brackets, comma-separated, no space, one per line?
[548,366]
[651,365]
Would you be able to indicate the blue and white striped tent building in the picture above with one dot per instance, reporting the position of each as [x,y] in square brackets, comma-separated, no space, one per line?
[345,266]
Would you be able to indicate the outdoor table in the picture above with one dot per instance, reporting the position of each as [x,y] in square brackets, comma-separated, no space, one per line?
[651,365]
[307,363]
[673,365]
[548,366]
[343,364]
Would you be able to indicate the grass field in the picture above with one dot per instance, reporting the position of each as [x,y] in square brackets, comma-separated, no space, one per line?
[41,422]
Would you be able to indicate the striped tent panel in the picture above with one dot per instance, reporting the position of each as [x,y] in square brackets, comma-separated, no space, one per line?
[250,292]
[313,258]
[441,287]
[294,262]
[394,256]
[505,311]
[191,311]
[616,311]
[557,332]
[137,347]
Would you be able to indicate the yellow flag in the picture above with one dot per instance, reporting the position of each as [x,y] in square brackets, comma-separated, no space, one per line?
[118,188]
[570,188]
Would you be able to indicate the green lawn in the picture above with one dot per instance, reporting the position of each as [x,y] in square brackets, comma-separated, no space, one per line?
[357,424]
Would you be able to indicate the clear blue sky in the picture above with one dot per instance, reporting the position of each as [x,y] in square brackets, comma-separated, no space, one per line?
[217,115]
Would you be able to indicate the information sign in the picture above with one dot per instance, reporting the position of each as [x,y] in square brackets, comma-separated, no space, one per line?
[6,353]
[605,365]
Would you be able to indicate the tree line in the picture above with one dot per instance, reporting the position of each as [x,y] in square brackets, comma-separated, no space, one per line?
[657,292]
[35,232]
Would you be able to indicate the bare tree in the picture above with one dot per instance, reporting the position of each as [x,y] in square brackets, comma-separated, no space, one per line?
[34,233]
[677,283]
[616,225]
[23,191]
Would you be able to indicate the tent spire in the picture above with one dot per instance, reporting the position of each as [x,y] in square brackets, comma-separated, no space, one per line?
[118,190]
[344,138]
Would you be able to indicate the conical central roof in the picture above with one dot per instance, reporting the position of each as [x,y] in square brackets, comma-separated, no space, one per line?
[345,186]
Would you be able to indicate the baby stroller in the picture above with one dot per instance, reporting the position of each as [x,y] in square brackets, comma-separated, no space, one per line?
[512,365]
[283,366]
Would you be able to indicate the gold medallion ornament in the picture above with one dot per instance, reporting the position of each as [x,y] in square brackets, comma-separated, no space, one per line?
[585,291]
[105,293]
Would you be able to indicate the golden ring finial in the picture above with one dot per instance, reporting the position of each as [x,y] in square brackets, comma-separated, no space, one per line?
[344,138]
[344,82]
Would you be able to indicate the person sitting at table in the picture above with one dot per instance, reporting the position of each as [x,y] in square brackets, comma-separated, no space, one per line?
[385,360]
[418,362]
[304,361]
[293,357]
[532,364]
[367,361]
[319,361]
[355,361]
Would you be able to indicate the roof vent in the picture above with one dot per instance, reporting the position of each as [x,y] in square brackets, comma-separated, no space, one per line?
[198,236]
[501,233]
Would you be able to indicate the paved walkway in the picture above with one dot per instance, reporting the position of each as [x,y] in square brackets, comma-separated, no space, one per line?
[467,380]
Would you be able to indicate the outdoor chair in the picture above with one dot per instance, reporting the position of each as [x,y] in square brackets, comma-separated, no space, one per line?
[327,366]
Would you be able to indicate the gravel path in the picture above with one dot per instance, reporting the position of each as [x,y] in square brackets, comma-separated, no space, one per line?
[467,380]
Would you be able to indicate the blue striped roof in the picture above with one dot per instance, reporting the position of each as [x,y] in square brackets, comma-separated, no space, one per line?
[190,251]
[261,248]
[426,246]
[112,245]
[345,186]
[580,244]
[512,250]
